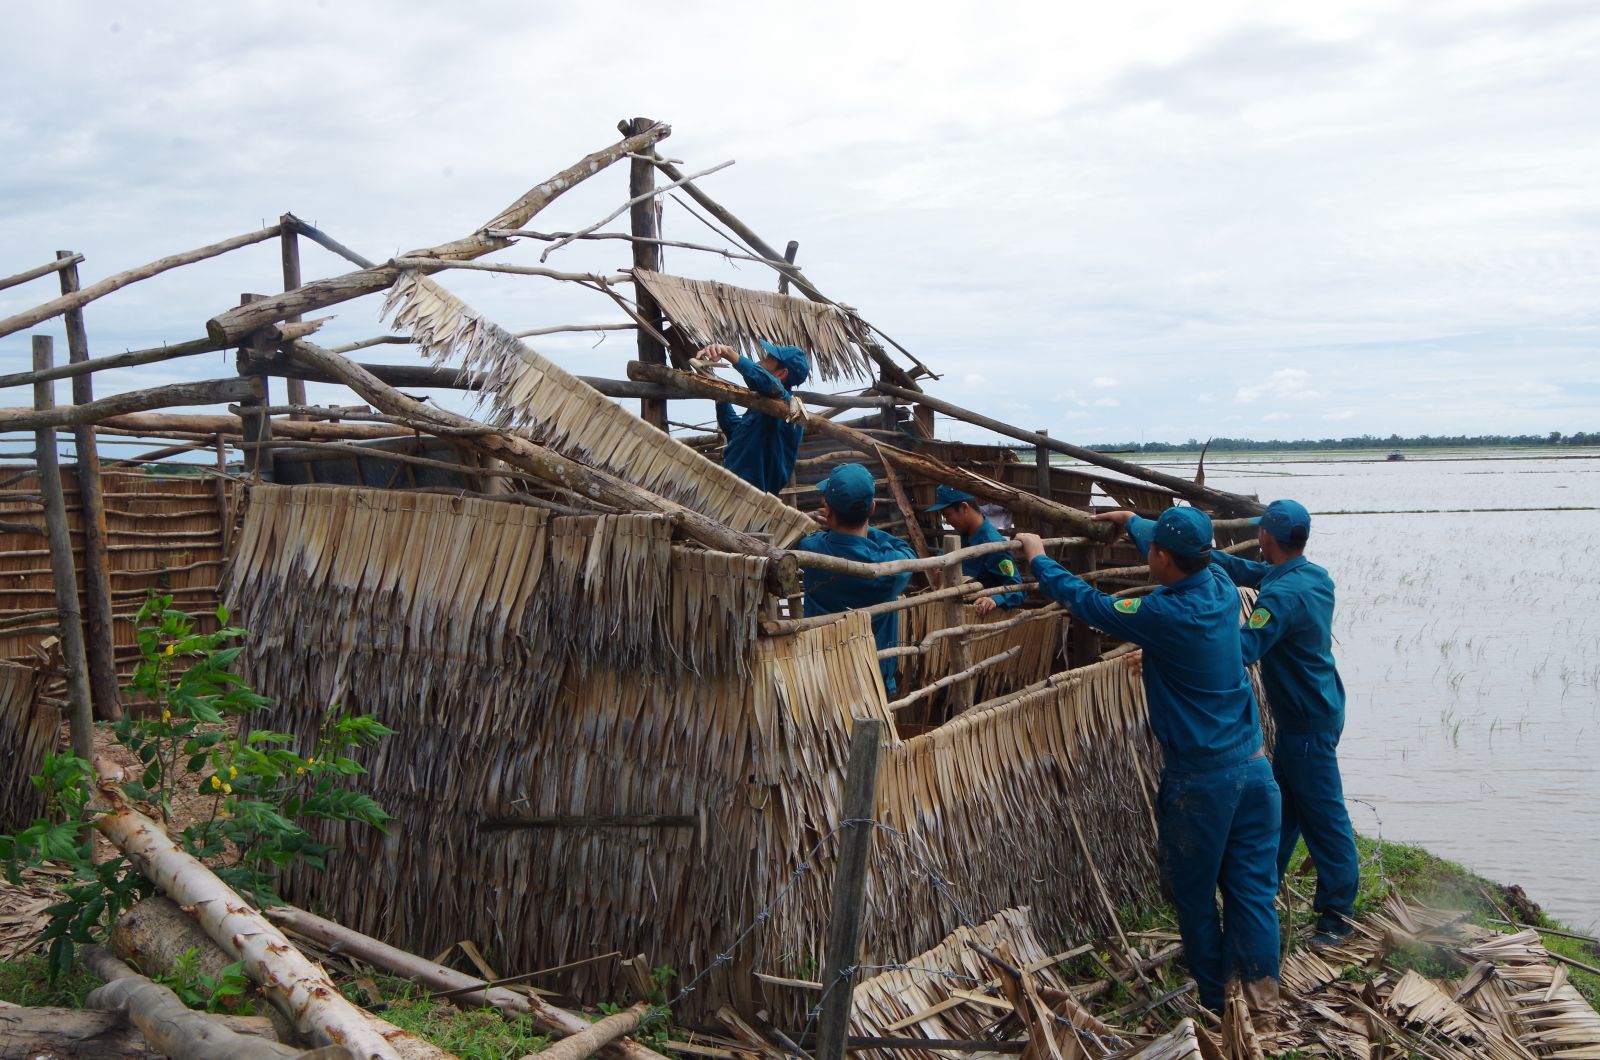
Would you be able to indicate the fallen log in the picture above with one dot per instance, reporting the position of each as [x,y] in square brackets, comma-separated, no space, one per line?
[27,1033]
[1221,500]
[589,1041]
[300,989]
[435,976]
[926,466]
[167,1023]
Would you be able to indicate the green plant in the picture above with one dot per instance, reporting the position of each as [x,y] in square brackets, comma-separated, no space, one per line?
[261,793]
[221,993]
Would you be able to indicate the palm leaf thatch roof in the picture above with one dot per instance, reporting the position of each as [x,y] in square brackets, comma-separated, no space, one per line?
[527,389]
[27,731]
[709,312]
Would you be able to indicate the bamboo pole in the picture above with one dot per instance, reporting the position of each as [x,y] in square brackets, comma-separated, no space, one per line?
[289,244]
[207,425]
[462,988]
[945,682]
[644,222]
[917,463]
[80,703]
[253,418]
[858,804]
[231,327]
[598,1034]
[207,392]
[98,641]
[982,630]
[117,360]
[84,296]
[327,242]
[1228,503]
[40,270]
[859,569]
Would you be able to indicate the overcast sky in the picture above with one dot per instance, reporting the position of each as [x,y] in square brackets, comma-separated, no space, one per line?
[1115,221]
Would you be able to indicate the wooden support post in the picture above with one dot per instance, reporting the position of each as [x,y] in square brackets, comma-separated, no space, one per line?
[789,253]
[99,644]
[645,221]
[1041,461]
[79,704]
[289,240]
[224,507]
[257,425]
[857,809]
[1083,643]
[960,652]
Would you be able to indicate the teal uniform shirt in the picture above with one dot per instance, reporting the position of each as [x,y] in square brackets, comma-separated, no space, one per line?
[761,449]
[1202,709]
[997,568]
[828,593]
[1291,633]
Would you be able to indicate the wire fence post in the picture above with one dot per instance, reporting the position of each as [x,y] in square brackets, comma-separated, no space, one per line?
[849,889]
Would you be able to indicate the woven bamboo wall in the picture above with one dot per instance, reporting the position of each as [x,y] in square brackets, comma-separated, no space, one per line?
[164,533]
[545,666]
[1040,641]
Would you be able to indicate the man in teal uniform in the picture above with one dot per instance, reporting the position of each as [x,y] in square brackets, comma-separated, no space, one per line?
[997,568]
[847,502]
[1217,809]
[1291,633]
[762,449]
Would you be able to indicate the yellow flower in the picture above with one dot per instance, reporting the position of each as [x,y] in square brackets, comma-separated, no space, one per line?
[216,781]
[233,771]
[224,814]
[227,789]
[170,648]
[299,771]
[166,715]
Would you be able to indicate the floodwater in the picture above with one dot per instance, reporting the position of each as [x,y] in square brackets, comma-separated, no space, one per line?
[1468,638]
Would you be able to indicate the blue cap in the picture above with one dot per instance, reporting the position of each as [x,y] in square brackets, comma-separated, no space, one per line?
[1184,531]
[946,496]
[1282,519]
[792,358]
[849,491]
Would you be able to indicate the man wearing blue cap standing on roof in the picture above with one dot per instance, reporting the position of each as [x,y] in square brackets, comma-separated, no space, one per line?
[762,449]
[847,503]
[997,568]
[1217,809]
[1291,633]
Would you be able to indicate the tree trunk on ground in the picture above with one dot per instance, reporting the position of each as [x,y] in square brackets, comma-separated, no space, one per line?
[167,1023]
[438,977]
[34,1033]
[300,989]
[600,1033]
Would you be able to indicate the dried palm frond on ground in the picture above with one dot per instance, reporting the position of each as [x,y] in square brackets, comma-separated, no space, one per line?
[565,413]
[27,731]
[710,312]
[23,916]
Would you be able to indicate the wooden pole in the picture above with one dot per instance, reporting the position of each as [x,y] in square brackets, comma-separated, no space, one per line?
[644,221]
[789,254]
[99,643]
[1041,463]
[1228,503]
[289,243]
[41,270]
[253,411]
[904,460]
[857,809]
[117,406]
[118,360]
[79,704]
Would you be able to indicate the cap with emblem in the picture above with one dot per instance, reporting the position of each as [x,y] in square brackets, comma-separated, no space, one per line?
[1184,531]
[848,491]
[791,358]
[945,496]
[1287,521]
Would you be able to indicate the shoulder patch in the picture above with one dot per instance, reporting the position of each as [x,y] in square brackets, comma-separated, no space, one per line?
[1008,568]
[1130,605]
[1260,617]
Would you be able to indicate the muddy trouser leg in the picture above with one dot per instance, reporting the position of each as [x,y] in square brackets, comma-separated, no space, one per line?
[1249,876]
[1195,816]
[1308,770]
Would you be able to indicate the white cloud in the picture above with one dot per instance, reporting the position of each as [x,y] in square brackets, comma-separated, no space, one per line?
[1106,403]
[1104,380]
[1285,384]
[1274,417]
[1341,414]
[1206,397]
[974,379]
[1064,395]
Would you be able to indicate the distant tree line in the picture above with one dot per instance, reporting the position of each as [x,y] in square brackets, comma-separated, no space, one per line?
[1364,441]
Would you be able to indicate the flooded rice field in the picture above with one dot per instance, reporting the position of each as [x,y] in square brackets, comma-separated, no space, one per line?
[1468,636]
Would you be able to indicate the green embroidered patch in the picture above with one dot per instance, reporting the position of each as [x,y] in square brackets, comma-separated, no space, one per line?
[1260,617]
[1008,568]
[1129,606]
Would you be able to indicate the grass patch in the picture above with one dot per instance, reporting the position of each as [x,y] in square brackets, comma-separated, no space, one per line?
[26,981]
[472,1034]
